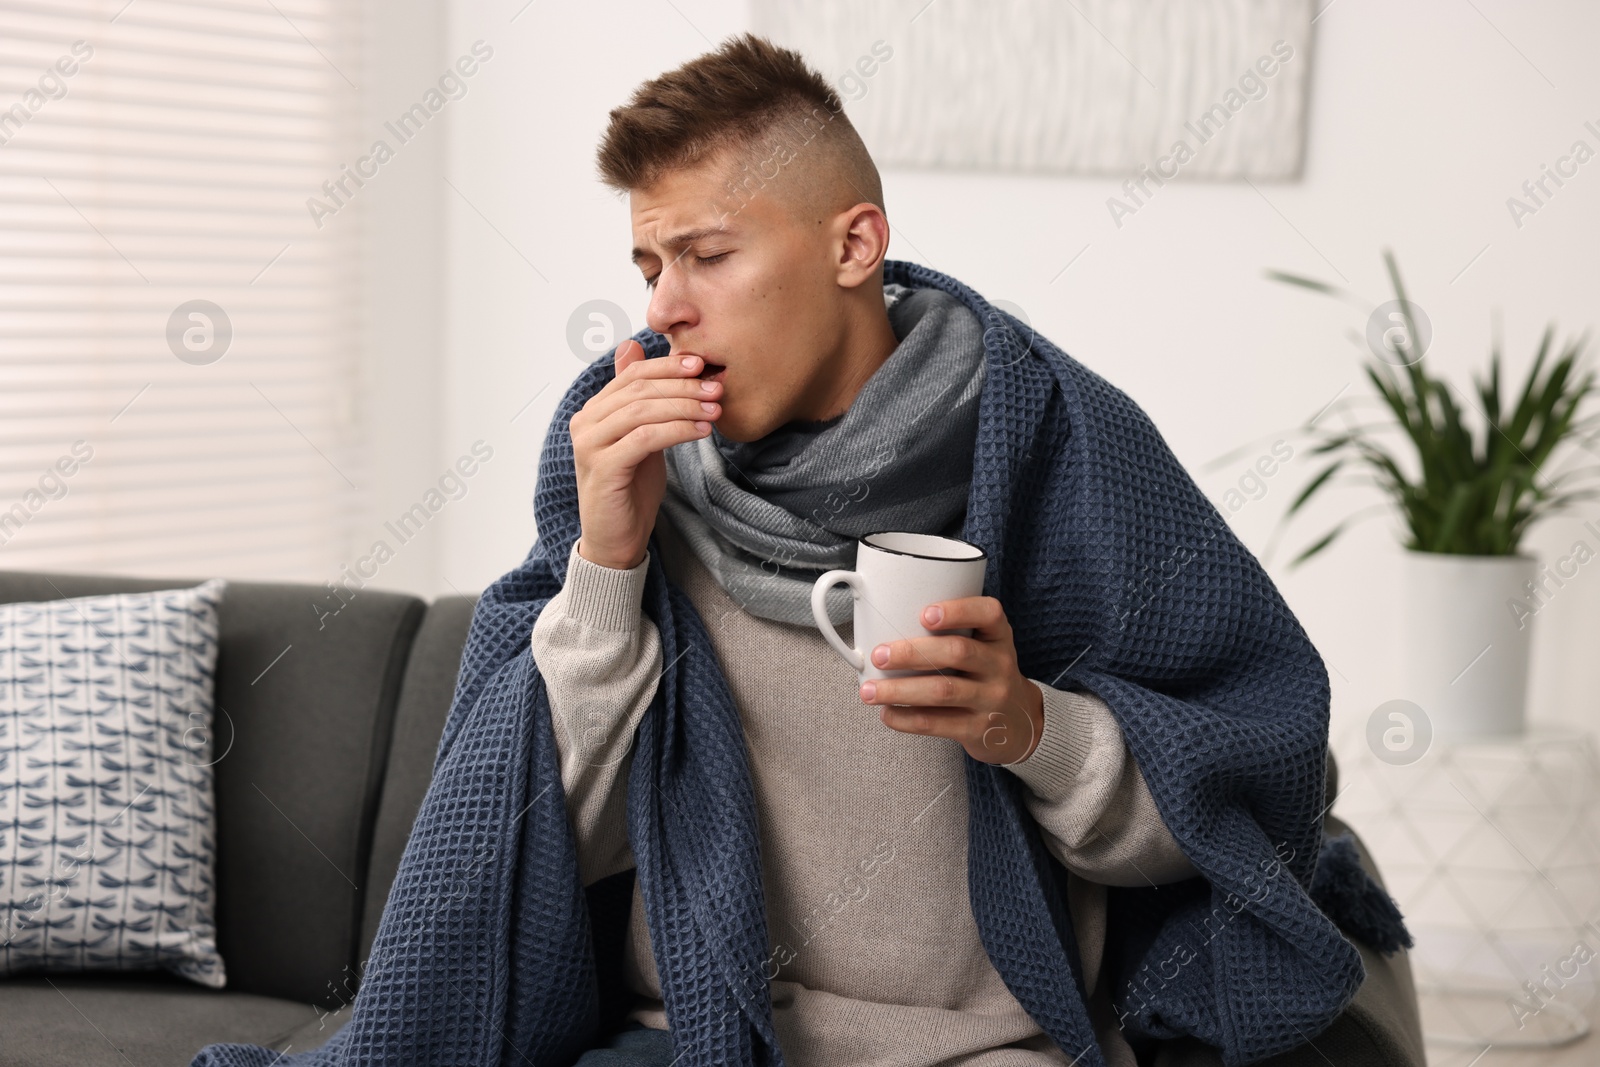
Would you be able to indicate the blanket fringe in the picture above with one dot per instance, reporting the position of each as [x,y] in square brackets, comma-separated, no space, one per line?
[1354,900]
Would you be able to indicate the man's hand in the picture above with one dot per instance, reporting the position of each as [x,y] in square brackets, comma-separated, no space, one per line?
[979,699]
[617,442]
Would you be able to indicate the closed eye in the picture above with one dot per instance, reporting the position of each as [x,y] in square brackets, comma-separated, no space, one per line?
[650,283]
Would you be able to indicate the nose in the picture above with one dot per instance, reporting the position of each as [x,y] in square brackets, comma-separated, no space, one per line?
[670,306]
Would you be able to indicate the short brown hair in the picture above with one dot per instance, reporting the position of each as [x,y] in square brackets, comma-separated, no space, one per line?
[746,96]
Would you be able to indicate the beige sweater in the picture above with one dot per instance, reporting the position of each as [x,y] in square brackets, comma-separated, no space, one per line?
[863,828]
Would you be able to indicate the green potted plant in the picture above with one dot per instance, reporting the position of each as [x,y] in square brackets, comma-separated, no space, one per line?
[1466,498]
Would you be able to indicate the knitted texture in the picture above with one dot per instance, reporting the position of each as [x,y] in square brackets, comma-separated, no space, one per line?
[1366,910]
[1118,577]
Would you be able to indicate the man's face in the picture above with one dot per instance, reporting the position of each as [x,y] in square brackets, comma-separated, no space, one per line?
[759,296]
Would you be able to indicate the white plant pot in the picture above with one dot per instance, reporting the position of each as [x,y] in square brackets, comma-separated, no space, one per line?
[1466,647]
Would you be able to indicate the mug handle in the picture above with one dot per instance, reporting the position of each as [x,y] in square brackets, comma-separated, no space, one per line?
[819,611]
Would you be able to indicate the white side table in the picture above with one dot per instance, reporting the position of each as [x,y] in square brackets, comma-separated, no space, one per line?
[1492,851]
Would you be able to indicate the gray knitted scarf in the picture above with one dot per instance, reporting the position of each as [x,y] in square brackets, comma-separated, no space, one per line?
[767,517]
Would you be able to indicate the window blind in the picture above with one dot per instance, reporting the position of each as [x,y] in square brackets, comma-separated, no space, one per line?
[179,339]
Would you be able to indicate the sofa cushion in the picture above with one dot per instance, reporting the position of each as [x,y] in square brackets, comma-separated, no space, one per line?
[159,1021]
[305,705]
[425,697]
[107,820]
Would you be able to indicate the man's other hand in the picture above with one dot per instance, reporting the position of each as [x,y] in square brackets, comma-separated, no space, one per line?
[979,698]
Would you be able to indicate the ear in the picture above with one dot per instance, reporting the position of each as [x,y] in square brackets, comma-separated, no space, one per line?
[863,244]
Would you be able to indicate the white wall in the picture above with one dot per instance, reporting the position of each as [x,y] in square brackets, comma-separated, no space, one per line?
[1424,118]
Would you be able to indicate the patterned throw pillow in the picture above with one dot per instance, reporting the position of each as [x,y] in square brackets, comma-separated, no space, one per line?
[107,829]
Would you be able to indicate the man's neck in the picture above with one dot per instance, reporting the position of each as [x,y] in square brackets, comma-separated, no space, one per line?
[866,343]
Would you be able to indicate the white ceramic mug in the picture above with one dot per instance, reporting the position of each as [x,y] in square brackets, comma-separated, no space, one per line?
[897,575]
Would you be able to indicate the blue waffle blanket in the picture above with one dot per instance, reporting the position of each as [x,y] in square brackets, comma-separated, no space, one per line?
[1118,577]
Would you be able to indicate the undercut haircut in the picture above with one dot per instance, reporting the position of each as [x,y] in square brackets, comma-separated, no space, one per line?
[758,111]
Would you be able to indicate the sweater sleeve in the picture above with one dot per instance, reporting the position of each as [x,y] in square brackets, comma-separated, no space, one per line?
[600,658]
[1090,799]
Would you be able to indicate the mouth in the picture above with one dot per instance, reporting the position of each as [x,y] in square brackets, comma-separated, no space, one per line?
[712,372]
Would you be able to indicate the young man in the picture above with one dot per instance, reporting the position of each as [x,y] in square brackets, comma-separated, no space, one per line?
[759,227]
[773,298]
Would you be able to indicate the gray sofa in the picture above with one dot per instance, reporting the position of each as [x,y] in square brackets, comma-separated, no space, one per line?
[330,726]
[328,754]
